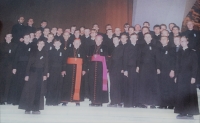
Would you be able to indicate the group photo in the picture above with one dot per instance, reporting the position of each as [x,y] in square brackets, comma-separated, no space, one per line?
[99,61]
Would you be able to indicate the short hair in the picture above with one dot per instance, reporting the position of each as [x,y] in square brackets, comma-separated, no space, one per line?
[116,37]
[145,27]
[108,30]
[146,22]
[38,30]
[56,40]
[94,30]
[156,26]
[131,27]
[123,35]
[173,24]
[27,34]
[126,24]
[176,27]
[46,28]
[134,34]
[164,37]
[147,34]
[82,27]
[108,25]
[73,26]
[43,21]
[163,25]
[165,30]
[177,37]
[184,37]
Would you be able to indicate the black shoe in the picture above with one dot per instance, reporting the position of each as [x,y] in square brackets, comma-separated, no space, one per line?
[98,105]
[162,107]
[142,106]
[64,104]
[27,112]
[2,103]
[170,107]
[77,104]
[180,116]
[35,112]
[112,105]
[120,105]
[190,117]
[152,107]
[92,104]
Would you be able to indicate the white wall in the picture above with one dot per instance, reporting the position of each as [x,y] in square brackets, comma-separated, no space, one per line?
[161,11]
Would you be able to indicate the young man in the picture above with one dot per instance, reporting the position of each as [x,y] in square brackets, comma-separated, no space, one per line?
[175,32]
[115,67]
[73,71]
[117,32]
[67,42]
[131,66]
[131,30]
[43,25]
[32,98]
[45,33]
[19,68]
[126,28]
[54,85]
[49,42]
[141,35]
[7,51]
[29,27]
[72,29]
[108,41]
[147,24]
[59,35]
[163,27]
[98,73]
[82,30]
[96,27]
[187,65]
[18,31]
[54,31]
[38,34]
[167,68]
[137,28]
[149,68]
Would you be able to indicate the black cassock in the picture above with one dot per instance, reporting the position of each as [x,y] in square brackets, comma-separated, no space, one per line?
[148,85]
[186,100]
[48,46]
[32,97]
[68,86]
[96,93]
[18,31]
[131,61]
[115,67]
[67,44]
[109,43]
[54,84]
[30,29]
[7,52]
[20,63]
[167,84]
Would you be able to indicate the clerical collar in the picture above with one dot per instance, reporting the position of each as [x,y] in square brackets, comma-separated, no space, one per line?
[177,45]
[8,42]
[157,34]
[133,44]
[185,48]
[190,29]
[57,48]
[87,36]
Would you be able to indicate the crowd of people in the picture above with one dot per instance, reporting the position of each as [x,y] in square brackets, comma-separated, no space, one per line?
[156,68]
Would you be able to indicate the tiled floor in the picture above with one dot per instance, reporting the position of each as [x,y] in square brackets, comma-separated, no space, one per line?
[86,114]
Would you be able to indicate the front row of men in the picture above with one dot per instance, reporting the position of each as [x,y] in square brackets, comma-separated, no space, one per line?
[140,75]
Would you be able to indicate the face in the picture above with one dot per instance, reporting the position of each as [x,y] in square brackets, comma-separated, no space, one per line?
[87,32]
[77,34]
[67,30]
[145,30]
[133,39]
[146,24]
[171,26]
[60,31]
[148,38]
[66,35]
[164,41]
[32,35]
[93,33]
[131,31]
[77,43]
[175,30]
[38,34]
[40,44]
[126,27]
[108,27]
[73,29]
[98,40]
[96,27]
[163,28]
[109,33]
[30,22]
[117,31]
[137,28]
[8,37]
[26,39]
[21,20]
[190,25]
[46,31]
[50,37]
[123,39]
[165,33]
[57,44]
[177,41]
[54,30]
[116,41]
[82,30]
[184,42]
[43,24]
[157,30]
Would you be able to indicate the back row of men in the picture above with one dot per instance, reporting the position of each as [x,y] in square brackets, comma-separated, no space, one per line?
[145,67]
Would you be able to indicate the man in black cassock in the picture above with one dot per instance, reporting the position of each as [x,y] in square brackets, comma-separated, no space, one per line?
[54,84]
[7,51]
[29,27]
[149,67]
[71,87]
[32,98]
[175,33]
[108,41]
[19,69]
[43,25]
[115,67]
[67,42]
[131,67]
[186,65]
[49,44]
[157,35]
[38,34]
[98,73]
[166,80]
[18,31]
